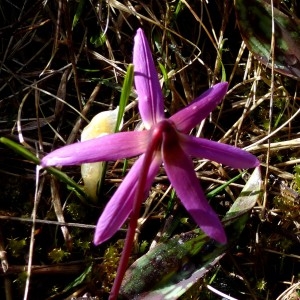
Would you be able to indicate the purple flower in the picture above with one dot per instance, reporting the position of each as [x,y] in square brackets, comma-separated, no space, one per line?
[167,141]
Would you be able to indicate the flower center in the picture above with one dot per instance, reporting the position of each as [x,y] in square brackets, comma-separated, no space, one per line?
[165,132]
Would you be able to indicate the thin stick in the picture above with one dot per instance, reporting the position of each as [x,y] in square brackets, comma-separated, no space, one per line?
[270,113]
[37,194]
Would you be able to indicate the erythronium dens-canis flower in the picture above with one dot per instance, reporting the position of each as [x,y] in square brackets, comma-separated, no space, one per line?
[163,141]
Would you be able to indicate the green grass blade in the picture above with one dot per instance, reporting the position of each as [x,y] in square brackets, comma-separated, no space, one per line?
[126,90]
[78,13]
[21,150]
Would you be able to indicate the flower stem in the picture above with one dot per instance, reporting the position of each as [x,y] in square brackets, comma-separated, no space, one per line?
[139,197]
[124,258]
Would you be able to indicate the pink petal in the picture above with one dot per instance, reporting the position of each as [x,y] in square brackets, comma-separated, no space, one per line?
[108,147]
[181,173]
[222,153]
[150,96]
[120,205]
[187,118]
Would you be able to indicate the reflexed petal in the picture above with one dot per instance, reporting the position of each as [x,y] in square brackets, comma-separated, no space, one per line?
[181,173]
[149,92]
[187,118]
[221,153]
[109,147]
[120,205]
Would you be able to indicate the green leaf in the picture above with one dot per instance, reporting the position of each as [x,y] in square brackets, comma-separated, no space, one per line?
[98,40]
[161,263]
[169,270]
[254,19]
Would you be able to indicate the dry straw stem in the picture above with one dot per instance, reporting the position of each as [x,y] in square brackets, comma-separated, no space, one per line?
[291,293]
